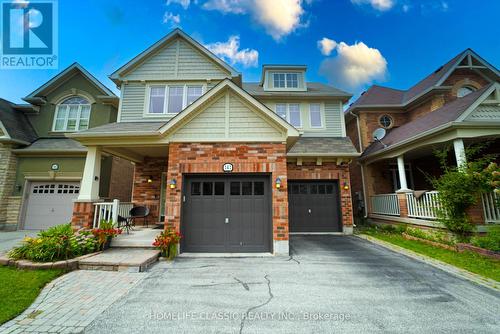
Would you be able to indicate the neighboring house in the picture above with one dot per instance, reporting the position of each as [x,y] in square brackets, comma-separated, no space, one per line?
[234,166]
[455,106]
[41,169]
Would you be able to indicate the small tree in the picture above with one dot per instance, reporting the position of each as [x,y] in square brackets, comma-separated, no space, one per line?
[461,187]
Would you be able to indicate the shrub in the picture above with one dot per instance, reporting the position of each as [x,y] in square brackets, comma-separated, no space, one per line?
[490,241]
[56,243]
[430,235]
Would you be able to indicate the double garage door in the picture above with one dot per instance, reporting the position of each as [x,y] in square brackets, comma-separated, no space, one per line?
[49,204]
[232,213]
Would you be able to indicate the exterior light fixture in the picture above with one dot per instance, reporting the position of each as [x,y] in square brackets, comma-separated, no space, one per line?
[278,183]
[346,186]
[150,179]
[173,184]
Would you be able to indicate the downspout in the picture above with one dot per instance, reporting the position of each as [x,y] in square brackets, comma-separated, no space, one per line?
[365,215]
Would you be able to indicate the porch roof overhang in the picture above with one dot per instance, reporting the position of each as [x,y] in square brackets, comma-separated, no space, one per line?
[440,134]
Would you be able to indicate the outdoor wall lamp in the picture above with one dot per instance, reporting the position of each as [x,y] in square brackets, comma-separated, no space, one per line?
[150,179]
[346,186]
[173,184]
[278,183]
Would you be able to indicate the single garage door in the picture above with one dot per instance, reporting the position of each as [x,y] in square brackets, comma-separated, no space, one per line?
[50,203]
[314,207]
[226,214]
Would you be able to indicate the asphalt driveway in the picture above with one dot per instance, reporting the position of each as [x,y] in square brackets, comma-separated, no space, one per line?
[330,284]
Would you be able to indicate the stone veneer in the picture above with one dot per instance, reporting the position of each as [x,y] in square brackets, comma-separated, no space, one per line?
[191,158]
[328,171]
[8,163]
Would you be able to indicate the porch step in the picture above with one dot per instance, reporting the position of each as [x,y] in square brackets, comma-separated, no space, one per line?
[140,237]
[121,259]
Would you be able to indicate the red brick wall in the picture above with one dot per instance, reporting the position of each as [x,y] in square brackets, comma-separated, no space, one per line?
[246,158]
[145,193]
[120,184]
[83,215]
[327,171]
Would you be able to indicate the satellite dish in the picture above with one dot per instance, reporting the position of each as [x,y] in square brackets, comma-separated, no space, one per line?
[378,135]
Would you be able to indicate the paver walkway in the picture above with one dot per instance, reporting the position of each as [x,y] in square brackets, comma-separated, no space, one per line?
[71,302]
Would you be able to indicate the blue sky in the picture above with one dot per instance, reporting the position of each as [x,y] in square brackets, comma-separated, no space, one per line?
[388,42]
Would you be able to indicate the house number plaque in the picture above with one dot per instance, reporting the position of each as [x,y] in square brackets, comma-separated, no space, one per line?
[227,167]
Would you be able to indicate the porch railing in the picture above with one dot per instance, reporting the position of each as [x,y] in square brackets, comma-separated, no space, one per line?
[385,204]
[110,211]
[490,208]
[424,207]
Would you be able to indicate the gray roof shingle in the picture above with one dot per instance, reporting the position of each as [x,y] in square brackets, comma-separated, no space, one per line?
[16,123]
[54,144]
[314,89]
[326,146]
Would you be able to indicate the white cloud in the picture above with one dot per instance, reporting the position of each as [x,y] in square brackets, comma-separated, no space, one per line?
[326,46]
[354,66]
[184,3]
[231,52]
[170,18]
[381,5]
[278,17]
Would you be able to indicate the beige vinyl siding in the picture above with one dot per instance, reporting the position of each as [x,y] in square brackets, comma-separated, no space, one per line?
[227,118]
[485,113]
[331,117]
[177,61]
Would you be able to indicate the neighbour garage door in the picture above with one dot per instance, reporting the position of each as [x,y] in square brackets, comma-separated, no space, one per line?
[314,207]
[226,214]
[50,203]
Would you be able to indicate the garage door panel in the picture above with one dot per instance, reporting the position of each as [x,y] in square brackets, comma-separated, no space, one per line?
[50,204]
[314,207]
[240,199]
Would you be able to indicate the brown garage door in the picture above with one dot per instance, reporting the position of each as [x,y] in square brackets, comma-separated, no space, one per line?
[228,213]
[314,207]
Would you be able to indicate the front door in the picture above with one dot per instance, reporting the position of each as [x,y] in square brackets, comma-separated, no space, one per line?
[227,213]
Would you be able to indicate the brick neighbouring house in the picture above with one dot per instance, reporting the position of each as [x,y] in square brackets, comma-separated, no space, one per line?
[234,166]
[456,105]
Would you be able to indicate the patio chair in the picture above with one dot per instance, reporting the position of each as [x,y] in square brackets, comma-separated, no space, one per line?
[125,223]
[138,212]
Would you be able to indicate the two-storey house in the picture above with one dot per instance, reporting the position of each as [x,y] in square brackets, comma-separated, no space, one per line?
[235,166]
[41,169]
[398,132]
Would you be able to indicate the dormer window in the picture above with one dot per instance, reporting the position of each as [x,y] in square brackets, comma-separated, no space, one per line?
[73,114]
[285,80]
[465,90]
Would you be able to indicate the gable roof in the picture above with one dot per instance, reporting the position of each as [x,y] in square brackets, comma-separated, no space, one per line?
[116,75]
[38,95]
[15,124]
[378,96]
[439,118]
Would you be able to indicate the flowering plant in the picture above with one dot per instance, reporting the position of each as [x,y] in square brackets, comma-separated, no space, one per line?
[167,242]
[105,232]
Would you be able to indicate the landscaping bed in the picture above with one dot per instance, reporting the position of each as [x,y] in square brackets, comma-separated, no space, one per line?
[468,260]
[20,288]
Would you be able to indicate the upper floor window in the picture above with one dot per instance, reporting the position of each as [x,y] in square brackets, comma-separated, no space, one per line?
[171,99]
[315,115]
[290,112]
[286,80]
[73,114]
[465,90]
[386,121]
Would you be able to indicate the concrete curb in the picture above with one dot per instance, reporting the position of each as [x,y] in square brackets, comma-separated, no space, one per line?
[462,273]
[69,265]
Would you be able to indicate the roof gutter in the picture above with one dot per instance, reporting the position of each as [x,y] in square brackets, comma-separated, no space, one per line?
[365,211]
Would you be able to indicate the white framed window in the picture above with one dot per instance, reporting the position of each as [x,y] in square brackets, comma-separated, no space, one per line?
[465,90]
[72,114]
[315,117]
[171,99]
[286,80]
[290,112]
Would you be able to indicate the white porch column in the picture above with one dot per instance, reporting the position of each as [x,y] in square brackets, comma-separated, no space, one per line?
[458,147]
[89,189]
[402,175]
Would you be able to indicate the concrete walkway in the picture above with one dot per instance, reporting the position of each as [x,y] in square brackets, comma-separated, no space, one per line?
[9,239]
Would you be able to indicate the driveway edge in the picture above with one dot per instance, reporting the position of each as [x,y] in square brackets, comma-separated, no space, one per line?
[462,273]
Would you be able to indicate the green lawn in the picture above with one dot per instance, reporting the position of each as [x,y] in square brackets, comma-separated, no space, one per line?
[19,288]
[472,262]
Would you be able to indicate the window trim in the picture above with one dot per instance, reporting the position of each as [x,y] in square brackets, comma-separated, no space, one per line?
[382,125]
[79,112]
[165,113]
[288,113]
[469,87]
[321,115]
[286,82]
